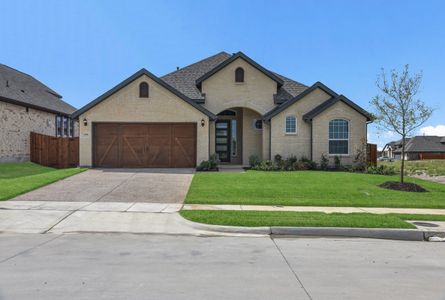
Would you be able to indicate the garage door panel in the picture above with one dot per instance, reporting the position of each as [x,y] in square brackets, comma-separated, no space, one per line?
[160,145]
[133,144]
[159,151]
[107,145]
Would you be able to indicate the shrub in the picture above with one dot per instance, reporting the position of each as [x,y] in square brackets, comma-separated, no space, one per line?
[254,160]
[265,165]
[381,170]
[337,163]
[324,162]
[209,165]
[308,164]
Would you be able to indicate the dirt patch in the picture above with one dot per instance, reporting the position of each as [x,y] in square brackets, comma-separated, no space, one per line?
[406,186]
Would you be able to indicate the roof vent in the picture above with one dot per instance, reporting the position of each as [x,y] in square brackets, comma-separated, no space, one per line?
[7,83]
[177,68]
[22,91]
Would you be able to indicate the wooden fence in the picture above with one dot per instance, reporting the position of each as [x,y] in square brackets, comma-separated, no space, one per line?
[372,154]
[423,156]
[56,152]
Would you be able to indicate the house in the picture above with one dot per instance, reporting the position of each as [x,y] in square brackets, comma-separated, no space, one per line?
[224,104]
[28,105]
[418,147]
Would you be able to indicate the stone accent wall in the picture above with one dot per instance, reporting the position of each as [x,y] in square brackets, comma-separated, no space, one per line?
[16,123]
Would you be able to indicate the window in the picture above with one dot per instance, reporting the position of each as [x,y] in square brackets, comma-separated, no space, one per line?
[239,75]
[338,137]
[65,126]
[257,124]
[291,125]
[71,128]
[58,125]
[143,90]
[233,143]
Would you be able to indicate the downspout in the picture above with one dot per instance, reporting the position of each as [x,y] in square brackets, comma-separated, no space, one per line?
[312,141]
[270,139]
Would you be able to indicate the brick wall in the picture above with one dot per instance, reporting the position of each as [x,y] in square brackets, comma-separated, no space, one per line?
[16,123]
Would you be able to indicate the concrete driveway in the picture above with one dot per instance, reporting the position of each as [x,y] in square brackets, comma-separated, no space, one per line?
[118,185]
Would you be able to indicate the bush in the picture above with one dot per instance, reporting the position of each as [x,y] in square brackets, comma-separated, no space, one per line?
[337,163]
[324,162]
[254,161]
[209,165]
[382,170]
[265,165]
[308,164]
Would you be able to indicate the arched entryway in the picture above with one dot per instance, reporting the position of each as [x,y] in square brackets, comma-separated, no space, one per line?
[236,135]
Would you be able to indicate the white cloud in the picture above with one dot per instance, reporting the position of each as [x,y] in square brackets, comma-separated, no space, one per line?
[433,130]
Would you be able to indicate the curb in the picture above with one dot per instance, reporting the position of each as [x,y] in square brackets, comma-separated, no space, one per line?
[374,233]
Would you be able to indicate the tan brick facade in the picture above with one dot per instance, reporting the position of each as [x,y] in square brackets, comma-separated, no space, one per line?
[16,123]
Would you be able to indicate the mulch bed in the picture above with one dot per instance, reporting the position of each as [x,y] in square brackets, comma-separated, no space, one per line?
[406,186]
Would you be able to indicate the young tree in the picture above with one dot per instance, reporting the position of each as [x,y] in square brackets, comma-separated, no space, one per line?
[397,107]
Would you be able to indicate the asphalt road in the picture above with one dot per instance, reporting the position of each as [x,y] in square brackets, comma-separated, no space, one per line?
[125,266]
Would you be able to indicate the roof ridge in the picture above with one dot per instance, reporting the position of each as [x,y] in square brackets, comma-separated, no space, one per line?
[197,62]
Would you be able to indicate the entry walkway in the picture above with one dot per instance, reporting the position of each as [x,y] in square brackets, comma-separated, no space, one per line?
[325,209]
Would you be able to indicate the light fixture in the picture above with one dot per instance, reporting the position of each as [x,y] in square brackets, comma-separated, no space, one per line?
[203,122]
[85,122]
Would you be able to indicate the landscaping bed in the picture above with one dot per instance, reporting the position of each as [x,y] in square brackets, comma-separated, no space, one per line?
[19,178]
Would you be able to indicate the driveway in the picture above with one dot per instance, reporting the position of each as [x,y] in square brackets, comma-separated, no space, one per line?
[118,185]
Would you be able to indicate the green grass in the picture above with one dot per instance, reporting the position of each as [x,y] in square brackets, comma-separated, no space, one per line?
[305,219]
[305,188]
[294,219]
[19,178]
[412,167]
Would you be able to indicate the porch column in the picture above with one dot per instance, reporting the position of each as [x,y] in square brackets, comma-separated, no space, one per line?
[266,140]
[211,138]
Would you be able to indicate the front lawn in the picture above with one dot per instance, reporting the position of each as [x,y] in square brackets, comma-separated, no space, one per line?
[309,188]
[304,219]
[418,167]
[19,178]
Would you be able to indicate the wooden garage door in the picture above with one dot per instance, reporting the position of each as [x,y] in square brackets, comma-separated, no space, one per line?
[151,145]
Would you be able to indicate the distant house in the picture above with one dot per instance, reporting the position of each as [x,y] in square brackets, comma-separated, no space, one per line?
[28,105]
[418,147]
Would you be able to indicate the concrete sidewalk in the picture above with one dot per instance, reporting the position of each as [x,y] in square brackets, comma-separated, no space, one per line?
[325,209]
[69,217]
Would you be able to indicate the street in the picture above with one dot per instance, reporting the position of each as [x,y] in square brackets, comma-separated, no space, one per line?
[136,266]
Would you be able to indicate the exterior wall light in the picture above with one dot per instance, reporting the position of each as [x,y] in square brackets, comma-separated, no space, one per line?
[203,122]
[85,122]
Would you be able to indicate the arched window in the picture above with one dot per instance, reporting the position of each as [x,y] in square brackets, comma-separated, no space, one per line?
[239,75]
[143,90]
[339,137]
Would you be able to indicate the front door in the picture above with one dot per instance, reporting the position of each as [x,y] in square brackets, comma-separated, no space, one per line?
[222,140]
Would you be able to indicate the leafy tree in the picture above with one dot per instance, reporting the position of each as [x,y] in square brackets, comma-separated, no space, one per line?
[397,107]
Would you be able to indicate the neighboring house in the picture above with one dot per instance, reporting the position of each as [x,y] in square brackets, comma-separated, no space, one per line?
[28,105]
[418,147]
[225,104]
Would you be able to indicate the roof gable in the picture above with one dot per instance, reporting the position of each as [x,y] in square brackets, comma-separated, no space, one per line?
[234,57]
[131,79]
[328,103]
[285,105]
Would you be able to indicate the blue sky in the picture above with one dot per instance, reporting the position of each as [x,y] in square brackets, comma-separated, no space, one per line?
[83,48]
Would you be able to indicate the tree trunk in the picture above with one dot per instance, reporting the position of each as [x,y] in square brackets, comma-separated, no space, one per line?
[402,167]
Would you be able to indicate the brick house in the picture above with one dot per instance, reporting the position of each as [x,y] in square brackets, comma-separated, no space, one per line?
[28,105]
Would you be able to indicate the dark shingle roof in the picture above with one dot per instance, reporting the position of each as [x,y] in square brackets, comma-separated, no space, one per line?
[424,143]
[131,79]
[331,101]
[23,89]
[184,80]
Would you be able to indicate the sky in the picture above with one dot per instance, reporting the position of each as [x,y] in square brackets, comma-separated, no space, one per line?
[83,48]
